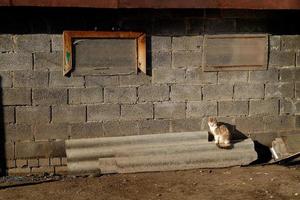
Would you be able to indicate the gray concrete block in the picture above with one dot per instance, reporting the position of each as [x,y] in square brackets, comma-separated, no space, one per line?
[45,131]
[290,42]
[186,93]
[42,149]
[279,123]
[16,96]
[297,74]
[5,79]
[44,162]
[169,110]
[101,81]
[217,92]
[120,95]
[18,171]
[275,42]
[160,43]
[233,108]
[34,79]
[280,58]
[279,90]
[271,75]
[161,60]
[187,43]
[86,130]
[249,124]
[120,128]
[33,114]
[32,163]
[137,111]
[21,163]
[85,95]
[6,43]
[49,96]
[183,125]
[15,61]
[298,122]
[68,114]
[199,109]
[48,61]
[195,26]
[290,74]
[18,132]
[297,85]
[168,75]
[233,77]
[58,80]
[264,107]
[9,151]
[289,106]
[153,126]
[32,43]
[249,91]
[167,27]
[220,25]
[135,80]
[153,93]
[103,112]
[8,114]
[182,59]
[57,42]
[197,76]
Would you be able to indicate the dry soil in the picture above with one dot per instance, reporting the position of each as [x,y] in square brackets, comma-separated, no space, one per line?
[262,182]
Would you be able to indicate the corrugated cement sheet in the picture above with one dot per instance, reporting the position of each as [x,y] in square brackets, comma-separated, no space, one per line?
[157,152]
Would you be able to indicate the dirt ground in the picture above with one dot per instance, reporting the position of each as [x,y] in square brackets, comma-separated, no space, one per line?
[262,182]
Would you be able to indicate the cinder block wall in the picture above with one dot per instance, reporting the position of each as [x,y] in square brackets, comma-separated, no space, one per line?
[41,108]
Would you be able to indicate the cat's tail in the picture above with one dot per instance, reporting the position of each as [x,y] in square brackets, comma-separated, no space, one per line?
[224,145]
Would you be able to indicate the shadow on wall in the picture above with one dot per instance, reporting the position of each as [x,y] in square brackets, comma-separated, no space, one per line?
[2,136]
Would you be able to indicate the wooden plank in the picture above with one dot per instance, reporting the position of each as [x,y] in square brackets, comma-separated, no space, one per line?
[67,3]
[67,53]
[220,4]
[142,53]
[4,2]
[235,52]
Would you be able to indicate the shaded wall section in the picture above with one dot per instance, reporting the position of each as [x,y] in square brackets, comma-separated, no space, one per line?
[42,108]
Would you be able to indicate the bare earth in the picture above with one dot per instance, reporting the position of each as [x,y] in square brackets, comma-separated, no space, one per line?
[262,182]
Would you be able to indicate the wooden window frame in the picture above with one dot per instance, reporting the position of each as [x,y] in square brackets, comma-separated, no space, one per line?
[69,36]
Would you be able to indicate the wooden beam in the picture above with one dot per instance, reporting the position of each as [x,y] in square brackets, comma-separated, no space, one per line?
[159,4]
[66,3]
[222,4]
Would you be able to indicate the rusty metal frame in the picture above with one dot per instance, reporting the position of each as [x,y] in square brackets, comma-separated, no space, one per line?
[68,37]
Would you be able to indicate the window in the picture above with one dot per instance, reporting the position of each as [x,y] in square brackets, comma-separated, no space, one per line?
[107,53]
